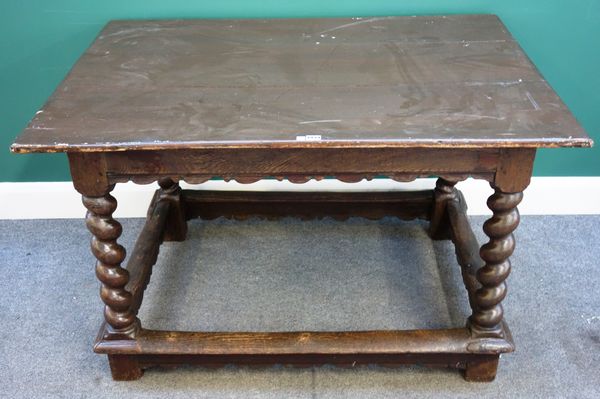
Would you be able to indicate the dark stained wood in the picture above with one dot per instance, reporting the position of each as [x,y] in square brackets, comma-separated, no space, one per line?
[467,247]
[306,205]
[445,81]
[446,360]
[482,369]
[454,348]
[488,313]
[455,341]
[474,348]
[176,227]
[120,319]
[88,172]
[476,368]
[124,368]
[514,170]
[300,165]
[404,97]
[145,251]
[439,228]
[94,174]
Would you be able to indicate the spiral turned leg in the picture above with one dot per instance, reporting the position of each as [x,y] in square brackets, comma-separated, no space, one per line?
[121,320]
[487,314]
[439,226]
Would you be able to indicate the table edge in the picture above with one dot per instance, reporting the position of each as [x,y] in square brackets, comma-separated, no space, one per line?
[579,142]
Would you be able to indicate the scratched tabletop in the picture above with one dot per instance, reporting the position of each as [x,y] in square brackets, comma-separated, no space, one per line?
[443,81]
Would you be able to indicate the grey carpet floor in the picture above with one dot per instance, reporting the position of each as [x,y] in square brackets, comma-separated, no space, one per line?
[292,275]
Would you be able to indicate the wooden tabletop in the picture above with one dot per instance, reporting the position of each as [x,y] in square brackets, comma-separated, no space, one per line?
[444,81]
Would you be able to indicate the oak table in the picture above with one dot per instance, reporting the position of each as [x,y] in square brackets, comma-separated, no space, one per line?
[300,99]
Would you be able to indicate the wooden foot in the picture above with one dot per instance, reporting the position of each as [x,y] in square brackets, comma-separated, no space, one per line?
[176,229]
[481,371]
[124,368]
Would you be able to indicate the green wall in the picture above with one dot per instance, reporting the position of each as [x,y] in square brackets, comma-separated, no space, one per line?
[40,40]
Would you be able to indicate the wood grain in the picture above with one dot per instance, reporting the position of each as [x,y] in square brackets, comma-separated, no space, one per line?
[467,247]
[456,341]
[145,252]
[120,318]
[455,81]
[488,313]
[298,165]
[306,205]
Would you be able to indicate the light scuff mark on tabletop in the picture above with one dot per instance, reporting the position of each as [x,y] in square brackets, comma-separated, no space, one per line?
[141,29]
[320,121]
[503,83]
[359,21]
[532,101]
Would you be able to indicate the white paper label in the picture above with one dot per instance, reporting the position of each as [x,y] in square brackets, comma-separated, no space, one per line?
[309,137]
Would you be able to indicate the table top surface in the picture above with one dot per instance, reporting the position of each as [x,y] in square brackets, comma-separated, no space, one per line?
[443,81]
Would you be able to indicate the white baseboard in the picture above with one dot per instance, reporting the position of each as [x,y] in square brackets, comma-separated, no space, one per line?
[544,196]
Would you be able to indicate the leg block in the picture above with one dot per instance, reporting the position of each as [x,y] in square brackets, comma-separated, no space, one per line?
[481,371]
[124,367]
